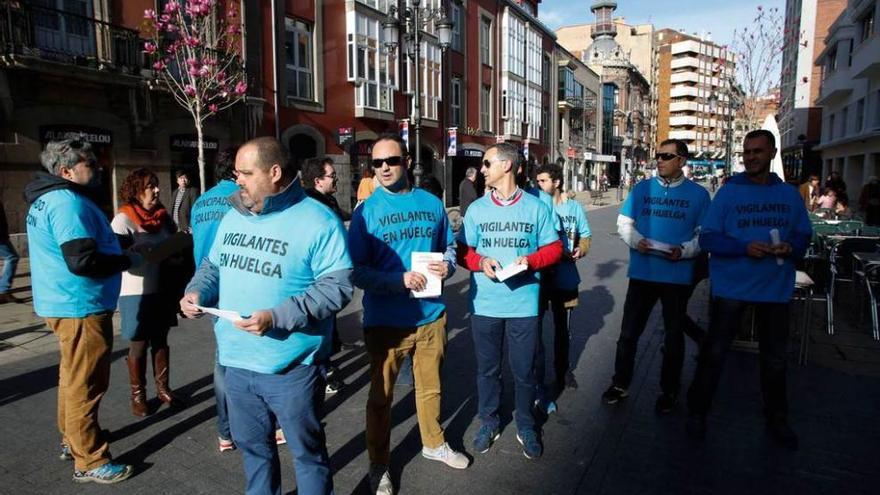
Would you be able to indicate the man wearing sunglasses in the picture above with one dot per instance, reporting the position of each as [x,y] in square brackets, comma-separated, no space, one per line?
[751,265]
[659,221]
[504,228]
[395,222]
[76,266]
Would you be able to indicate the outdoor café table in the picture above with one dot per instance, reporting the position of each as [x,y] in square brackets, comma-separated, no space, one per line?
[868,262]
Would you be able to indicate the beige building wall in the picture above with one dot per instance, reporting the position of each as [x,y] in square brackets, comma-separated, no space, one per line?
[637,40]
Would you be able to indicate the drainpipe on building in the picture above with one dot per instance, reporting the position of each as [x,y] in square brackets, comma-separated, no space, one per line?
[275,70]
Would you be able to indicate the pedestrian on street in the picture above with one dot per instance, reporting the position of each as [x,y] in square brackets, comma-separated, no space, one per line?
[319,180]
[809,192]
[146,302]
[205,217]
[286,284]
[559,286]
[76,261]
[660,224]
[467,190]
[503,229]
[396,223]
[10,261]
[367,184]
[183,199]
[755,231]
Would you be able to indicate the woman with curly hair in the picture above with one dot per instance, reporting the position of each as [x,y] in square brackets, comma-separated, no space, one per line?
[147,311]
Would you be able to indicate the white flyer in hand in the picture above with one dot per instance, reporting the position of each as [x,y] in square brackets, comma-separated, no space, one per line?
[232,316]
[660,246]
[509,271]
[775,240]
[420,261]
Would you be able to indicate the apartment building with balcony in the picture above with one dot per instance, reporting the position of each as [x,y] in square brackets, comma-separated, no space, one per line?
[799,116]
[693,95]
[77,68]
[579,117]
[333,85]
[850,95]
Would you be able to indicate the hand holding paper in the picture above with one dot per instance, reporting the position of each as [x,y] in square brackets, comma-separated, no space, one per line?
[232,316]
[420,264]
[775,241]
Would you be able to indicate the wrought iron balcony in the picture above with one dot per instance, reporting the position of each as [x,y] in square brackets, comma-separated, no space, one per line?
[31,32]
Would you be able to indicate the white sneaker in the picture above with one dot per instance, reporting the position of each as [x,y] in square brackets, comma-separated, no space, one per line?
[446,455]
[380,480]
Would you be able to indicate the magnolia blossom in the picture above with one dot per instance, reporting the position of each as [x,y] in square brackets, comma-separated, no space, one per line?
[150,15]
[212,108]
[190,90]
[150,47]
[159,65]
[171,7]
[241,88]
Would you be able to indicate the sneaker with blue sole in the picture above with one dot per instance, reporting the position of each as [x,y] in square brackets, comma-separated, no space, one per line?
[484,438]
[104,474]
[532,448]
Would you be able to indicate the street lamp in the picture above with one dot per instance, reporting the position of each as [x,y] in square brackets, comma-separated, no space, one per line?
[627,141]
[733,105]
[415,19]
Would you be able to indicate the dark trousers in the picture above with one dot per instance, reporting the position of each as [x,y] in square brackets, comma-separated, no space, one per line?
[771,320]
[489,335]
[293,397]
[561,345]
[641,296]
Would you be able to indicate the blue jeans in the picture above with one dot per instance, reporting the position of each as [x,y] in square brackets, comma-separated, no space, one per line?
[489,334]
[220,398]
[293,397]
[10,263]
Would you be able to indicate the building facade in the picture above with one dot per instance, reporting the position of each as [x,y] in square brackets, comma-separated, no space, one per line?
[850,96]
[694,94]
[800,117]
[77,68]
[579,117]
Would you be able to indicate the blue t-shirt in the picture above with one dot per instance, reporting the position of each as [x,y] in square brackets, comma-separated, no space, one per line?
[206,214]
[575,227]
[666,214]
[55,218]
[505,233]
[264,259]
[742,212]
[384,232]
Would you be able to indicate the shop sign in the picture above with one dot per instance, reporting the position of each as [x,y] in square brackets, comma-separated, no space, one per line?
[452,149]
[344,135]
[189,142]
[93,135]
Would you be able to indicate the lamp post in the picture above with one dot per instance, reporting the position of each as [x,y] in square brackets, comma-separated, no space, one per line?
[627,141]
[733,105]
[415,19]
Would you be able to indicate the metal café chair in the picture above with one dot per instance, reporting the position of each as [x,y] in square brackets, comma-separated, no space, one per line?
[809,287]
[872,283]
[842,261]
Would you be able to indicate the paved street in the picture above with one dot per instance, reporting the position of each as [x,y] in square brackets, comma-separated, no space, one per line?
[590,447]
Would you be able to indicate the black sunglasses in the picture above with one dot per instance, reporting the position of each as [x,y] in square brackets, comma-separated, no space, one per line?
[665,156]
[392,161]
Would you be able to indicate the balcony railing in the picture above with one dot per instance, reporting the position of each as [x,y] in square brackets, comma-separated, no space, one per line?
[38,32]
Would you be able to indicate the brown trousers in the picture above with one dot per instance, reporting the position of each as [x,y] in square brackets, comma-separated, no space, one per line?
[84,375]
[387,347]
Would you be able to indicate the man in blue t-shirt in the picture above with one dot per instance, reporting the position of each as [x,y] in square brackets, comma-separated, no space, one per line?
[659,221]
[76,265]
[394,225]
[505,231]
[279,264]
[755,231]
[205,217]
[559,284]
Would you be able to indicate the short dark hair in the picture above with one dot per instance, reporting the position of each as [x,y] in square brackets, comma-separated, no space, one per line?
[681,148]
[313,168]
[393,136]
[771,139]
[270,152]
[553,170]
[224,165]
[180,173]
[136,183]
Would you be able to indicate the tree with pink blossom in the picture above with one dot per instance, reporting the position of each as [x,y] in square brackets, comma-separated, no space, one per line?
[196,55]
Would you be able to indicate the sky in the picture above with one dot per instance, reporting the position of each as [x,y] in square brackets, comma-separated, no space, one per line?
[719,17]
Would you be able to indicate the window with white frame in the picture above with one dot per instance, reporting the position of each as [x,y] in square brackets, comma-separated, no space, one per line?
[513,100]
[533,109]
[456,11]
[370,65]
[430,65]
[380,5]
[513,44]
[486,108]
[486,41]
[860,115]
[455,103]
[534,56]
[298,59]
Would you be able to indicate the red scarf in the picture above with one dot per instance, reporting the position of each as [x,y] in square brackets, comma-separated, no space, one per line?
[150,221]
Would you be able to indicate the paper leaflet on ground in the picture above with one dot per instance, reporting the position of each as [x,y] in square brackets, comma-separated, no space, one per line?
[509,271]
[232,316]
[420,261]
[660,247]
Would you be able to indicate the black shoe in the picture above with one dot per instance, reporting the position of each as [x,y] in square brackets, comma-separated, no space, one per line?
[665,403]
[696,426]
[614,394]
[782,433]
